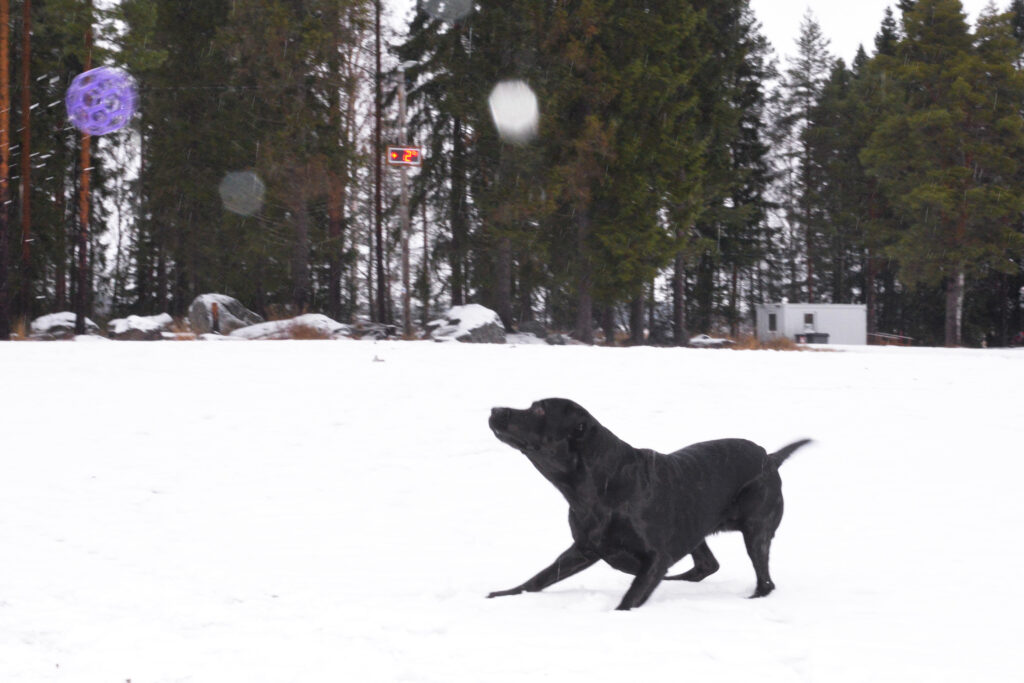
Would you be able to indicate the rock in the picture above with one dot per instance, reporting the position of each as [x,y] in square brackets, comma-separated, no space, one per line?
[522,338]
[308,326]
[230,311]
[557,339]
[533,327]
[59,326]
[364,329]
[471,323]
[140,328]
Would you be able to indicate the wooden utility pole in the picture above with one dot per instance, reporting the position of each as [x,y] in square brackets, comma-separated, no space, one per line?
[25,186]
[82,295]
[5,156]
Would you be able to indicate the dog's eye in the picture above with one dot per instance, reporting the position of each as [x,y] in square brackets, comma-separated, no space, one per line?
[538,411]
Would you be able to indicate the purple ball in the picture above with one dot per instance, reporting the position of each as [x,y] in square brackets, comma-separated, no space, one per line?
[101,100]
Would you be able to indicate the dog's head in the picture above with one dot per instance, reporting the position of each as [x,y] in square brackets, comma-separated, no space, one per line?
[551,433]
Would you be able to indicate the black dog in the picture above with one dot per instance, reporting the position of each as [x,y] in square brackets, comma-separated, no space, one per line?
[641,511]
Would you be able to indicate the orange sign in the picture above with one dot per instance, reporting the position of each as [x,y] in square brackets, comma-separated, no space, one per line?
[404,156]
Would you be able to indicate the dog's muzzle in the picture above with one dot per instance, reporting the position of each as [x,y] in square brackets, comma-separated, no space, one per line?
[499,419]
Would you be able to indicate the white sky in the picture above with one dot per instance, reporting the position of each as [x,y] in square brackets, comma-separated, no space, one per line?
[846,24]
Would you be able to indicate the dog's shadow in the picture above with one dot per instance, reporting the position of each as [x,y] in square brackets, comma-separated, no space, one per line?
[675,592]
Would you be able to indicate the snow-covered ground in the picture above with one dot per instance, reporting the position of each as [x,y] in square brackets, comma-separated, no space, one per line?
[337,511]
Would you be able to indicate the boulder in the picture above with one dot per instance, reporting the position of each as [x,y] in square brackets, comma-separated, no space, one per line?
[556,339]
[533,327]
[139,328]
[365,329]
[471,323]
[59,326]
[231,314]
[308,326]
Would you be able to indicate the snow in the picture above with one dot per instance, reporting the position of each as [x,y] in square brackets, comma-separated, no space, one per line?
[58,322]
[148,323]
[299,512]
[283,329]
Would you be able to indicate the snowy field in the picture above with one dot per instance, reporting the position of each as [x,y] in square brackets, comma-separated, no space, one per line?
[336,511]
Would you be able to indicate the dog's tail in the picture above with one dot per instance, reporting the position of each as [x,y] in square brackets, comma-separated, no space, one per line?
[779,456]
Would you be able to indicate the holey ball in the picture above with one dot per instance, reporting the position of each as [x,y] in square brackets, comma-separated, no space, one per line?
[101,100]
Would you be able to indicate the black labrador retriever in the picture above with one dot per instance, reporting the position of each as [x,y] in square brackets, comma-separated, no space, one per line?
[641,511]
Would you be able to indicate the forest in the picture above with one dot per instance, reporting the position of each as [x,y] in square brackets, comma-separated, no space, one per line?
[681,171]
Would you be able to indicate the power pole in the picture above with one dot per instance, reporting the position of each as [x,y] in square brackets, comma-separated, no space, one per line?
[82,295]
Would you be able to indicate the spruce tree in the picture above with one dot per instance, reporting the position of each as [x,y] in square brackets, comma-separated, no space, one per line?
[802,85]
[728,235]
[947,154]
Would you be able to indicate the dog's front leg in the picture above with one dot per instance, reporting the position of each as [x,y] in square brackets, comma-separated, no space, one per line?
[572,561]
[644,584]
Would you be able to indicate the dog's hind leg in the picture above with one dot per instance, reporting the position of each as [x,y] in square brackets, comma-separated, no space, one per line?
[758,542]
[704,565]
[572,561]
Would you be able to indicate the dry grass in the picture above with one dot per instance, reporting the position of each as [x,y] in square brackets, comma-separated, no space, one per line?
[181,326]
[751,343]
[300,331]
[19,330]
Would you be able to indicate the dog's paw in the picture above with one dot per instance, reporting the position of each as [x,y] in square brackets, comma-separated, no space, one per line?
[511,591]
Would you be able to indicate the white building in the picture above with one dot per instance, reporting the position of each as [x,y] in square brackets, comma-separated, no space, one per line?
[843,323]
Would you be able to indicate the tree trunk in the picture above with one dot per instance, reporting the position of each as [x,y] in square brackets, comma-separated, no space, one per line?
[458,218]
[335,249]
[524,293]
[955,308]
[679,301]
[1004,310]
[608,324]
[869,293]
[335,178]
[503,289]
[584,331]
[426,262]
[300,258]
[5,173]
[62,243]
[371,295]
[378,153]
[636,320]
[734,311]
[705,292]
[810,264]
[25,185]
